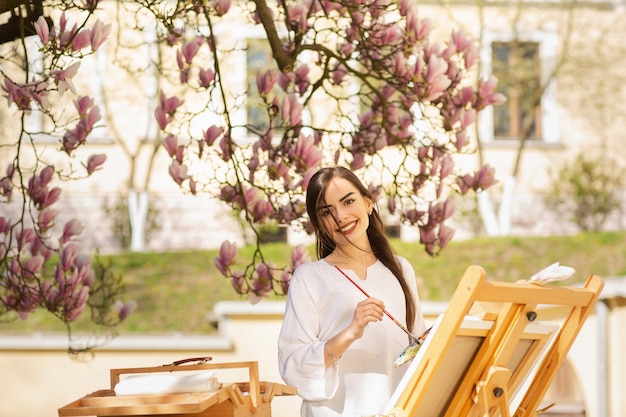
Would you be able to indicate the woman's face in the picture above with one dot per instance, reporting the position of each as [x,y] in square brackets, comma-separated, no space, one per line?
[344,213]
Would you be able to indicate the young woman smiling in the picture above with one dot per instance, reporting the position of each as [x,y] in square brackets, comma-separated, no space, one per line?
[335,345]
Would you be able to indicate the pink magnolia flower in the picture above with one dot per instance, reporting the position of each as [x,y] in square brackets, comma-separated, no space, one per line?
[462,139]
[436,78]
[123,310]
[18,94]
[63,22]
[46,174]
[37,247]
[460,41]
[64,77]
[190,49]
[298,18]
[261,282]
[25,237]
[206,77]
[467,118]
[161,117]
[91,4]
[212,133]
[67,256]
[52,295]
[389,35]
[5,225]
[346,49]
[299,255]
[228,251]
[6,187]
[338,74]
[83,104]
[193,185]
[180,59]
[45,219]
[71,229]
[423,28]
[447,166]
[169,104]
[265,81]
[485,177]
[305,153]
[92,117]
[261,209]
[465,183]
[94,162]
[51,197]
[302,78]
[225,148]
[239,282]
[221,6]
[413,216]
[358,161]
[81,40]
[291,110]
[170,143]
[42,29]
[178,172]
[66,35]
[487,93]
[32,266]
[306,178]
[74,308]
[99,33]
[250,194]
[471,55]
[284,280]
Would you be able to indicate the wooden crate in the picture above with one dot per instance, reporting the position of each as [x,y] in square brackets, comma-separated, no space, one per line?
[238,399]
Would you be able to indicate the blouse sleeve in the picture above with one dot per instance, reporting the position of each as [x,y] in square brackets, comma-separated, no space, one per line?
[300,350]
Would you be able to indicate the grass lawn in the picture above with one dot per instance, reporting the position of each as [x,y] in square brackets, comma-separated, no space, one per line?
[175,290]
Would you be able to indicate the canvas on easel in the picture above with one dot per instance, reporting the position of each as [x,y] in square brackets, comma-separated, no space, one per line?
[489,354]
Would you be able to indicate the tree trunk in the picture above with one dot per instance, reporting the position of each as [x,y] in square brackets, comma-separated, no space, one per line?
[498,224]
[138,214]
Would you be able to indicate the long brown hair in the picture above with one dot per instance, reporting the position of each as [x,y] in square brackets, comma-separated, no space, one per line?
[375,231]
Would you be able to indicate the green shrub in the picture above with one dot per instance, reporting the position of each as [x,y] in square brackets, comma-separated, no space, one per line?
[588,191]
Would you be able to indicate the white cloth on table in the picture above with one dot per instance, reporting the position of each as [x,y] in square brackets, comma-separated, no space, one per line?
[167,383]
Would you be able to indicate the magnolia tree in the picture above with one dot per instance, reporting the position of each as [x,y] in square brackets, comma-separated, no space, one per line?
[359,83]
[42,265]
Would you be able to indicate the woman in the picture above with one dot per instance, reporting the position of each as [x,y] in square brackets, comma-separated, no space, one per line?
[335,345]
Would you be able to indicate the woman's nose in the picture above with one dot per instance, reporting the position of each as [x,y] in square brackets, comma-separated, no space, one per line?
[340,214]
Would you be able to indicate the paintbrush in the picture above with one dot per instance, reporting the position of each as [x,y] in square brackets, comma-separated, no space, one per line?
[400,325]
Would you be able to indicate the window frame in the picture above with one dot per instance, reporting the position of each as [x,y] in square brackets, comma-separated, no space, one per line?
[549,129]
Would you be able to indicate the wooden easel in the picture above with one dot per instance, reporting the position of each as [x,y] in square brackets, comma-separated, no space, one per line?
[497,368]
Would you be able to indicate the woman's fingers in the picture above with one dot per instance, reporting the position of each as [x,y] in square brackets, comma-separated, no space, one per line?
[370,310]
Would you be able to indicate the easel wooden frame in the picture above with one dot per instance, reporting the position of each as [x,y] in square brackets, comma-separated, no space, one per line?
[487,386]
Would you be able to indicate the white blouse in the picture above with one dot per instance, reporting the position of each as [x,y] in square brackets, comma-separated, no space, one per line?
[320,304]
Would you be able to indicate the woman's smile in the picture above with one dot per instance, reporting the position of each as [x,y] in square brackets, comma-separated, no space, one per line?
[348,228]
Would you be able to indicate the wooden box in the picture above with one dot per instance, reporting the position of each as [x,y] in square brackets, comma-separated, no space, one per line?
[238,399]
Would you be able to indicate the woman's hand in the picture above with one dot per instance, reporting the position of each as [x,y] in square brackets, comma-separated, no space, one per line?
[367,311]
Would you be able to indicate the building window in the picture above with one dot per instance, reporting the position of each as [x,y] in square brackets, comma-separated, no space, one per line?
[518,69]
[524,64]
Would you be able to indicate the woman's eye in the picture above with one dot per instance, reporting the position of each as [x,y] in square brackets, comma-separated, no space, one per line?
[324,213]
